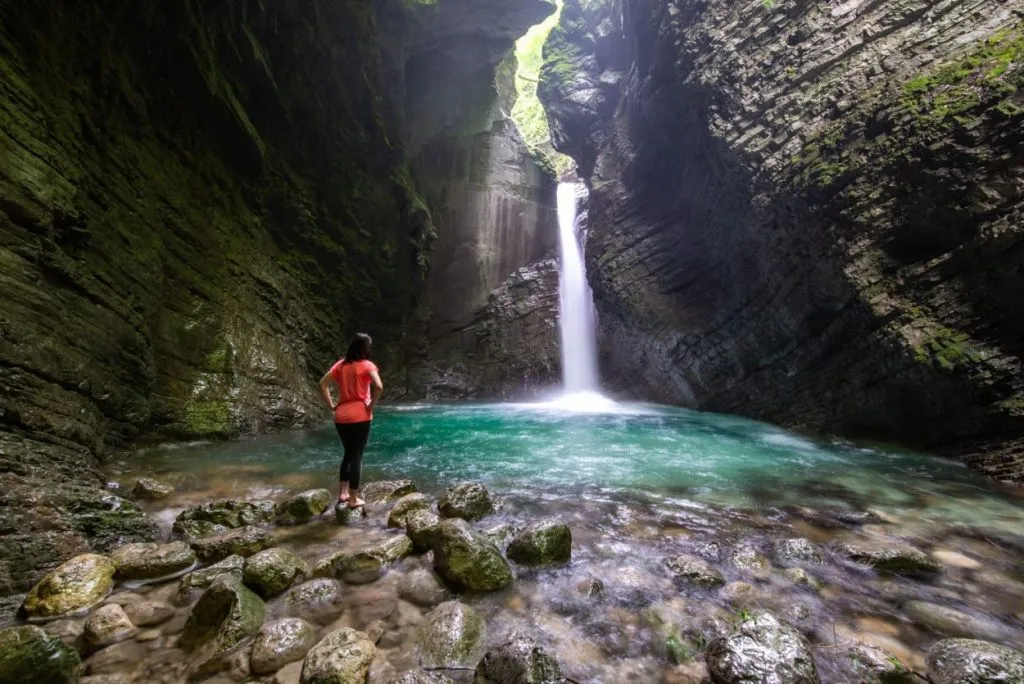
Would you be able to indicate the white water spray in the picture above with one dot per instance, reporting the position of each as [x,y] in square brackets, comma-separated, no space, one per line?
[576,319]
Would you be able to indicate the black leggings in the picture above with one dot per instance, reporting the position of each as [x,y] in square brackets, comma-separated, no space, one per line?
[353,438]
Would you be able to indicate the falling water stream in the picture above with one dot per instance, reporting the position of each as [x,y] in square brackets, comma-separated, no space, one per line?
[576,315]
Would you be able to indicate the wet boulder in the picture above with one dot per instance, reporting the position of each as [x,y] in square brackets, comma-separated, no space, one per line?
[29,655]
[151,561]
[225,615]
[467,500]
[271,571]
[422,587]
[148,613]
[386,491]
[591,587]
[365,565]
[220,516]
[970,661]
[502,533]
[694,570]
[542,544]
[244,541]
[108,625]
[73,586]
[419,677]
[872,665]
[341,657]
[404,506]
[797,551]
[749,560]
[195,582]
[303,507]
[345,514]
[467,559]
[149,489]
[281,642]
[892,558]
[452,636]
[315,600]
[421,527]
[952,622]
[762,649]
[519,661]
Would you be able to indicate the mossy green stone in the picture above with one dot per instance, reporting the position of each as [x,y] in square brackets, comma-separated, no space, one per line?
[75,585]
[406,505]
[467,500]
[226,614]
[303,507]
[452,636]
[896,559]
[149,560]
[341,657]
[421,528]
[387,491]
[467,559]
[244,541]
[29,655]
[197,581]
[270,572]
[542,544]
[364,565]
[218,516]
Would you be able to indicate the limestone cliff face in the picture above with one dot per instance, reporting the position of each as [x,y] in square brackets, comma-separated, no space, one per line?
[198,204]
[807,212]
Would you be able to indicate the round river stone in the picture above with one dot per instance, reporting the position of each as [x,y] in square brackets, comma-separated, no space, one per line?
[542,544]
[150,561]
[467,500]
[341,657]
[73,586]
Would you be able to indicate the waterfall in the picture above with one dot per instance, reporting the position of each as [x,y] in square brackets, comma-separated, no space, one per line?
[576,320]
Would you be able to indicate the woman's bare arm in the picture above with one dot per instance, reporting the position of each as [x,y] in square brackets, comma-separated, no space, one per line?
[325,390]
[376,388]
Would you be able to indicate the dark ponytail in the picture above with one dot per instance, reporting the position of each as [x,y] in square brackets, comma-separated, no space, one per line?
[359,348]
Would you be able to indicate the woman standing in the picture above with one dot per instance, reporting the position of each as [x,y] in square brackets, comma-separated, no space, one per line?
[359,387]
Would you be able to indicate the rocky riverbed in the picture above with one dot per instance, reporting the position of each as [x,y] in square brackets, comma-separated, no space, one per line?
[467,585]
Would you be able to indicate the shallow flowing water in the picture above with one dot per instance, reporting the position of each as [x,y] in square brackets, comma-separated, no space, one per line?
[642,483]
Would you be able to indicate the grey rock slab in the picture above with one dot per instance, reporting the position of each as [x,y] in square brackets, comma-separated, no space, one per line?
[281,642]
[467,500]
[341,657]
[452,636]
[762,649]
[970,661]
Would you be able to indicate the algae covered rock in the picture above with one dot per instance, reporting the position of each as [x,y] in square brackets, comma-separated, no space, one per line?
[404,506]
[303,507]
[316,599]
[270,572]
[796,551]
[520,660]
[421,527]
[422,587]
[892,558]
[467,559]
[225,615]
[467,500]
[872,665]
[364,565]
[150,561]
[762,649]
[220,516]
[694,570]
[73,586]
[387,491]
[108,625]
[341,657]
[345,514]
[28,655]
[542,544]
[452,636]
[281,642]
[148,489]
[195,582]
[244,541]
[970,661]
[749,560]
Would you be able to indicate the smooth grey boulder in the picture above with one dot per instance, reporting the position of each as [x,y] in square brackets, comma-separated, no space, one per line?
[151,561]
[364,565]
[225,615]
[467,559]
[872,665]
[147,613]
[762,649]
[502,533]
[542,544]
[749,560]
[281,642]
[29,655]
[220,516]
[315,600]
[341,657]
[195,582]
[303,507]
[951,622]
[452,636]
[74,586]
[345,514]
[421,527]
[423,587]
[970,661]
[271,571]
[467,500]
[797,551]
[244,541]
[404,506]
[386,491]
[694,570]
[149,489]
[108,625]
[892,558]
[518,661]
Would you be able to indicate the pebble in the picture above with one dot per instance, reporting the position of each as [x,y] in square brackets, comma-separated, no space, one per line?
[955,559]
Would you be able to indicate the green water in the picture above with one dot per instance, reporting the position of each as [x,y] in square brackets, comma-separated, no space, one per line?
[644,450]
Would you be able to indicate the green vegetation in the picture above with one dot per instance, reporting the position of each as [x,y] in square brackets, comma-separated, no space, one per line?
[768,4]
[528,112]
[947,349]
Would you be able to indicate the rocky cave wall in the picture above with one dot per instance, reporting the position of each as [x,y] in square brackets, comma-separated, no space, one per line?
[807,212]
[198,204]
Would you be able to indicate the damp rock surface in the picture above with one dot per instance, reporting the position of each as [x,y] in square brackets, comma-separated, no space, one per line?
[244,541]
[762,649]
[972,661]
[467,559]
[271,571]
[467,500]
[452,636]
[303,507]
[542,544]
[281,642]
[149,561]
[73,586]
[28,655]
[341,657]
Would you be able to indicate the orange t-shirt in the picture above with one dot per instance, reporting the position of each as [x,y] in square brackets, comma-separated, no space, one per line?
[353,380]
